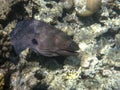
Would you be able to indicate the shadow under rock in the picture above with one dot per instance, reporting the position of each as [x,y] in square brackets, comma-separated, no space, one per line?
[109,34]
[40,86]
[53,63]
[89,20]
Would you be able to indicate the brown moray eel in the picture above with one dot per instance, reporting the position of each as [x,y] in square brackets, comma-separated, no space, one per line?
[42,38]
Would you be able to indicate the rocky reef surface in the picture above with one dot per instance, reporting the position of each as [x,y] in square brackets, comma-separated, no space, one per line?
[95,26]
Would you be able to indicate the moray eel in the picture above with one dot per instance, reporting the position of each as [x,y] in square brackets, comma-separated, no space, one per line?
[42,38]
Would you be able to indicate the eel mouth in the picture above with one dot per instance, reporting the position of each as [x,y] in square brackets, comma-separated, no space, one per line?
[52,53]
[67,53]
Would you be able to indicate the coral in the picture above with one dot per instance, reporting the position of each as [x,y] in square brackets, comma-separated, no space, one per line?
[5,44]
[67,4]
[48,11]
[4,9]
[2,82]
[98,63]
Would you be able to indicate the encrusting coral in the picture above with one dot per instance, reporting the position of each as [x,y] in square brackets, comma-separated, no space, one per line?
[1,81]
[5,44]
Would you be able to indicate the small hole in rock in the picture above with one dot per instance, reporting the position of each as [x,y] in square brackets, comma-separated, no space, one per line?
[49,5]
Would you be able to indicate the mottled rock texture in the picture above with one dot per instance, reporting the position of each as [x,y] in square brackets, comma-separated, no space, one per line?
[97,67]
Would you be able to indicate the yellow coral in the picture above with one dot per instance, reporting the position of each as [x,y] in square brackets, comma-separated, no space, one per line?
[5,44]
[1,81]
[72,74]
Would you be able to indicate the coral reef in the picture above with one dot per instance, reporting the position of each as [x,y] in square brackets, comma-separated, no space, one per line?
[2,82]
[4,8]
[5,45]
[97,67]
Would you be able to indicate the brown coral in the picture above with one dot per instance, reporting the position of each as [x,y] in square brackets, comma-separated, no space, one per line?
[5,44]
[4,9]
[1,81]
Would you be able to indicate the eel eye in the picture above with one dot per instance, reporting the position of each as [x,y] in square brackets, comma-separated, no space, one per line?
[34,41]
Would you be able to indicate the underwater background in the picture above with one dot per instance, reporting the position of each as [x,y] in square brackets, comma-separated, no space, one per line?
[95,27]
